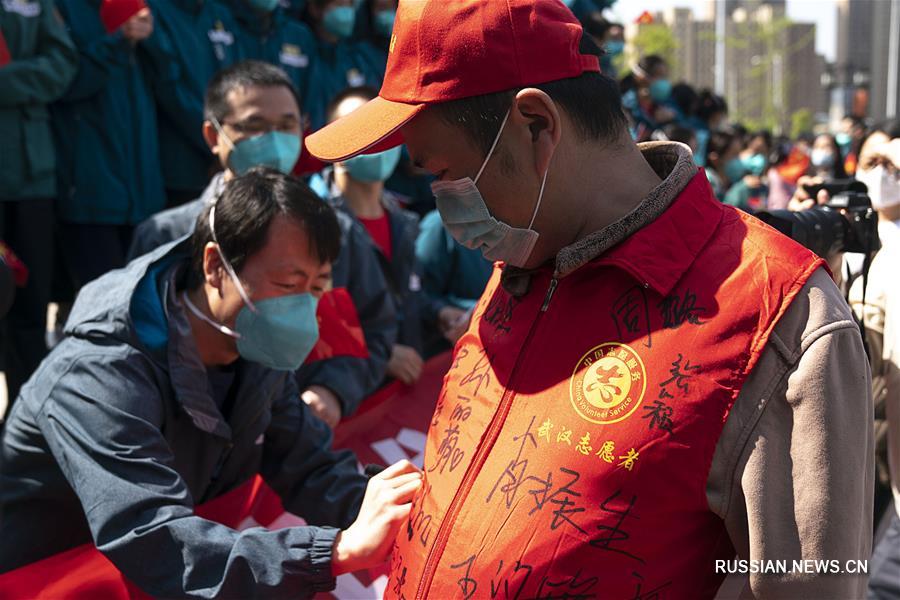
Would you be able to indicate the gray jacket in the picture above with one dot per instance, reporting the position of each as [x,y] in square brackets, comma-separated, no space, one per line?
[122,431]
[356,269]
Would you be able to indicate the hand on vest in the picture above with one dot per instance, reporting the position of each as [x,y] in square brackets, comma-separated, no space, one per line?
[323,403]
[453,322]
[385,507]
[405,364]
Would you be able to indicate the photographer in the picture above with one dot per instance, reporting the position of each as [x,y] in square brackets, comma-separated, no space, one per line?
[879,308]
[875,298]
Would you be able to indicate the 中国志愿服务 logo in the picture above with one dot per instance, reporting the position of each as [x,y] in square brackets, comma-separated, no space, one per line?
[608,383]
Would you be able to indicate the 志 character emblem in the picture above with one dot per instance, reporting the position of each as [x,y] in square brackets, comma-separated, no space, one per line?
[608,383]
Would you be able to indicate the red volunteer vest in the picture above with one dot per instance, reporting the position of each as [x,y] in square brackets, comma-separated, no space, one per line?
[570,447]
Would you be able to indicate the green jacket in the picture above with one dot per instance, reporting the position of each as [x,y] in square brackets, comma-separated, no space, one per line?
[43,63]
[105,123]
[276,39]
[339,66]
[194,39]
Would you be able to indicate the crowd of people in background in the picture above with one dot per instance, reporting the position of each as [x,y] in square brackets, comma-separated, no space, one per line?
[111,119]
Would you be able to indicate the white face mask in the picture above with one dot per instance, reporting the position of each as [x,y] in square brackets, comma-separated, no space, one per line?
[883,184]
[469,221]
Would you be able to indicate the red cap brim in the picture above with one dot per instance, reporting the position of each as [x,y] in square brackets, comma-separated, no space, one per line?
[373,127]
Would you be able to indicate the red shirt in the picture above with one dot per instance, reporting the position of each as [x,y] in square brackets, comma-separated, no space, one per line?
[380,230]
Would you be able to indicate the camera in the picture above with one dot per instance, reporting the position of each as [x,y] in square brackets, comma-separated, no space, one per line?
[846,224]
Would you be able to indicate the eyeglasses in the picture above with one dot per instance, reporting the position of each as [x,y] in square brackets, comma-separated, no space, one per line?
[255,127]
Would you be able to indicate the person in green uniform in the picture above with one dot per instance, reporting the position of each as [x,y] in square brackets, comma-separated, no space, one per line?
[37,62]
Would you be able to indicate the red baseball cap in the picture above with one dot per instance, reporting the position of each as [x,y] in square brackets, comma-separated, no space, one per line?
[444,50]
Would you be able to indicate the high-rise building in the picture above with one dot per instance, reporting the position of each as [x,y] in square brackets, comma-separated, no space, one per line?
[729,6]
[771,66]
[866,48]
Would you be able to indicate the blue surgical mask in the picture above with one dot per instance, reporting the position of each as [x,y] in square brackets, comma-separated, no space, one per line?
[470,222]
[660,90]
[265,6]
[339,21]
[735,170]
[275,149]
[373,167]
[384,22]
[278,333]
[569,3]
[615,47]
[755,164]
[821,158]
[843,139]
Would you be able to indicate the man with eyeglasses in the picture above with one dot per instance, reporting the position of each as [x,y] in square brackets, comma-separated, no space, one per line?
[253,119]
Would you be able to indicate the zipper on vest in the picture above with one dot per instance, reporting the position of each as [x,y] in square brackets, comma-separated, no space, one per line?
[468,480]
[553,283]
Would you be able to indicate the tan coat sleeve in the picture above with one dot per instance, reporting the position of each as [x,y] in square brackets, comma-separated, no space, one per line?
[793,472]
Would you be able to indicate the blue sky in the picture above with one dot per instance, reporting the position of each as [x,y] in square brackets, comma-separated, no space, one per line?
[821,12]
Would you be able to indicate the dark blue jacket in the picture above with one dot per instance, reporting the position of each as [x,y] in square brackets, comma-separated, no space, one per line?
[401,272]
[43,63]
[279,40]
[345,64]
[105,125]
[122,431]
[453,275]
[193,40]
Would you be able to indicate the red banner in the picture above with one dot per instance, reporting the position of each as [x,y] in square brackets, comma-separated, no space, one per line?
[340,333]
[389,426]
[5,57]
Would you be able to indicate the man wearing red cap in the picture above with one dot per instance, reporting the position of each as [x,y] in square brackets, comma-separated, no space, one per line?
[652,382]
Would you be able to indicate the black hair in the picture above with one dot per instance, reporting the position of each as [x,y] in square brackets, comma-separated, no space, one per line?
[889,128]
[678,133]
[766,136]
[650,63]
[246,73]
[709,104]
[741,132]
[781,151]
[837,170]
[719,143]
[363,92]
[594,24]
[686,98]
[245,210]
[591,100]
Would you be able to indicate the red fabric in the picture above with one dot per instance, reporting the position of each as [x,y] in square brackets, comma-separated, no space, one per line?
[390,425]
[796,165]
[340,333]
[570,447]
[5,57]
[307,164]
[850,163]
[380,231]
[114,13]
[18,268]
